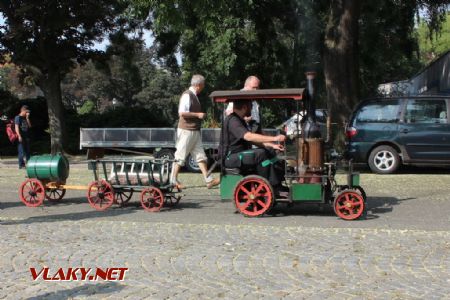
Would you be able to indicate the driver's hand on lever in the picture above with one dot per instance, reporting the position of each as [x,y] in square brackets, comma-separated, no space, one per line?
[279,139]
[278,147]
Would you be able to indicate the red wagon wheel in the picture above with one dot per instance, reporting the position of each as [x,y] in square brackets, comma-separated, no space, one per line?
[152,199]
[32,192]
[100,195]
[122,197]
[253,196]
[172,200]
[349,205]
[54,195]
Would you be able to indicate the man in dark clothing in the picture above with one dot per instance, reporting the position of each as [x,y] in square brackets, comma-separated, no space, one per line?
[22,127]
[237,145]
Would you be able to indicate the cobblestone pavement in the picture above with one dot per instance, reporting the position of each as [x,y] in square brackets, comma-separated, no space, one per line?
[238,261]
[202,250]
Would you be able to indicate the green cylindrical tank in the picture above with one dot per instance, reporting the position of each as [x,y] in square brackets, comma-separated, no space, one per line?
[48,167]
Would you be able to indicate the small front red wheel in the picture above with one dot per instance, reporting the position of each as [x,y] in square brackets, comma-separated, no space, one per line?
[349,205]
[253,196]
[32,192]
[100,195]
[152,199]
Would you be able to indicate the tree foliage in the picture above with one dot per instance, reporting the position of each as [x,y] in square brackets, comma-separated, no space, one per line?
[278,40]
[354,46]
[133,77]
[46,38]
[432,46]
[226,40]
[388,43]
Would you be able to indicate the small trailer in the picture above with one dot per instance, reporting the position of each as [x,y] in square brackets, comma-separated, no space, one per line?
[115,181]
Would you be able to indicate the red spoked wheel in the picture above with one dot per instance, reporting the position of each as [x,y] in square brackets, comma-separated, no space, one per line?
[361,191]
[32,192]
[122,197]
[253,196]
[152,199]
[100,195]
[349,205]
[172,200]
[54,195]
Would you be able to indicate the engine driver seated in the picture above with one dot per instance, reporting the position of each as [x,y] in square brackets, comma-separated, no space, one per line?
[237,142]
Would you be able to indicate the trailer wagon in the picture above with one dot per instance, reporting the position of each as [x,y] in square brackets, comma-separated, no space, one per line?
[160,141]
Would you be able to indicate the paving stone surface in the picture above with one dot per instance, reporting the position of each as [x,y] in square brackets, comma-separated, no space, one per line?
[203,250]
[233,261]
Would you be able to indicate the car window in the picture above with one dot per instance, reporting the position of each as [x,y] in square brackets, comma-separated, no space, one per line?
[379,112]
[426,111]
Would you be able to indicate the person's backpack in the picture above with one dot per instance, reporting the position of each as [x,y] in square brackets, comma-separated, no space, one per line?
[11,132]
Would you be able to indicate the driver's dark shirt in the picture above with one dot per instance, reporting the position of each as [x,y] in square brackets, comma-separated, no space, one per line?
[234,130]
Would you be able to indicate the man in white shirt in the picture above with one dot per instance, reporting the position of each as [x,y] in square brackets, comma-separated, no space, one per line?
[251,83]
[189,138]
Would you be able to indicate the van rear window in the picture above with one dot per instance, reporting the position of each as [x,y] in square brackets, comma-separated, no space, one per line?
[378,112]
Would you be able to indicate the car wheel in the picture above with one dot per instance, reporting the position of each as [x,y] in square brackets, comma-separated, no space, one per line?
[384,160]
[165,153]
[191,164]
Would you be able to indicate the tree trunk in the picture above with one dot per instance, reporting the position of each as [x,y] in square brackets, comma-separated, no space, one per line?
[51,86]
[341,59]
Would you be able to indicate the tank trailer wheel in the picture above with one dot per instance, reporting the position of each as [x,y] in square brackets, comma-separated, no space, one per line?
[349,205]
[32,192]
[54,195]
[253,196]
[152,199]
[100,195]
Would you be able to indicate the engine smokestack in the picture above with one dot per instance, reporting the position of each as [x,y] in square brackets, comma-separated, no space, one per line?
[311,129]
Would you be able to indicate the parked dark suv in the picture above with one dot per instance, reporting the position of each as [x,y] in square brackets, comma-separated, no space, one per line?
[388,132]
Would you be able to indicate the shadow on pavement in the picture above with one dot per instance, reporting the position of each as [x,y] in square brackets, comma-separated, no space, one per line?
[115,210]
[375,206]
[70,216]
[382,205]
[84,290]
[63,202]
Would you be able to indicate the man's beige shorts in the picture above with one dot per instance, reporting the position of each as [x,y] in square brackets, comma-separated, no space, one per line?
[189,141]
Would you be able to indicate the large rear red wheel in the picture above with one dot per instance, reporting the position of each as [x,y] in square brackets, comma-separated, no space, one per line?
[349,205]
[253,196]
[152,199]
[32,192]
[100,195]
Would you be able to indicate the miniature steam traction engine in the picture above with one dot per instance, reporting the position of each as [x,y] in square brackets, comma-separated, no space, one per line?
[309,176]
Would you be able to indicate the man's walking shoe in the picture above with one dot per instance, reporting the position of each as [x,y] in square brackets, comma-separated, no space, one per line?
[179,186]
[212,183]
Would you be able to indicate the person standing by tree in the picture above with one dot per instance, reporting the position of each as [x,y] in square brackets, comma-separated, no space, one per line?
[22,127]
[188,133]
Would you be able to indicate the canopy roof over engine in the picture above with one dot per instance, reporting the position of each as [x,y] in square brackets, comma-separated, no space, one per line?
[267,94]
